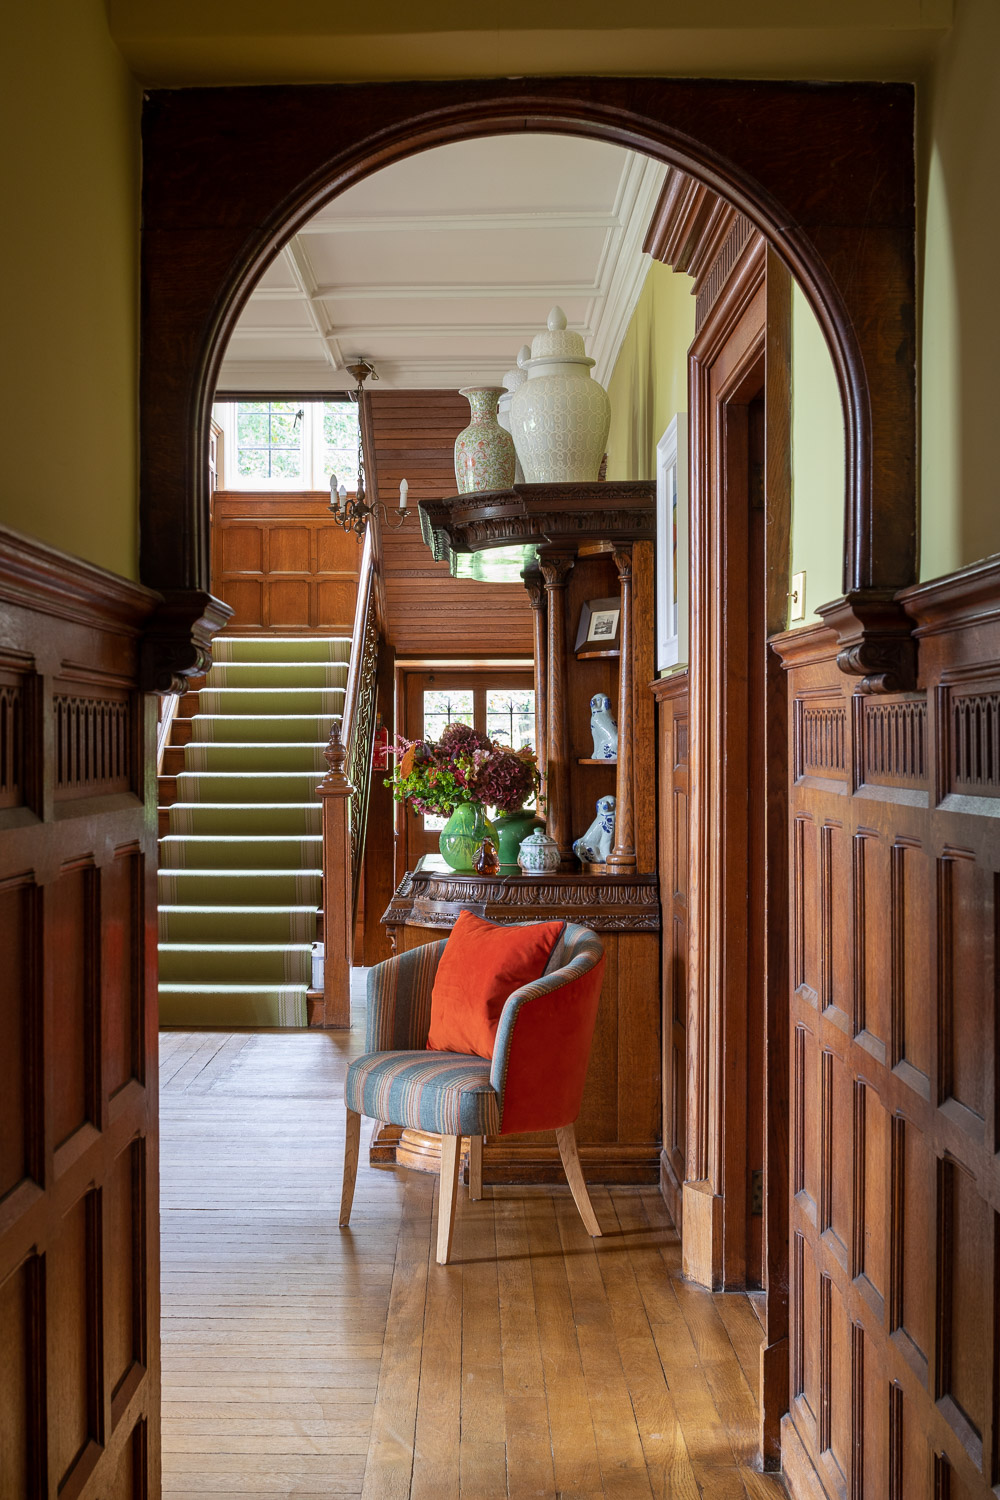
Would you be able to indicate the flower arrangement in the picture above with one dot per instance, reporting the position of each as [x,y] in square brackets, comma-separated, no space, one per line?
[463,766]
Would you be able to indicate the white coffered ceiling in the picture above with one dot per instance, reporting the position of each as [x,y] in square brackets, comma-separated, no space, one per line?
[438,268]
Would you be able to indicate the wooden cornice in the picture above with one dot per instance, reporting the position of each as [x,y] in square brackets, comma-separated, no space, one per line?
[970,596]
[696,231]
[676,685]
[42,578]
[806,646]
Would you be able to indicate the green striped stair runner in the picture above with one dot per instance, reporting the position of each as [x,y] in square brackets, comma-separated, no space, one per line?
[240,865]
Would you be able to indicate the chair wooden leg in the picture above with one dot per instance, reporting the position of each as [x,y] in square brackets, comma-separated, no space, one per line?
[449,1191]
[475,1167]
[566,1136]
[352,1146]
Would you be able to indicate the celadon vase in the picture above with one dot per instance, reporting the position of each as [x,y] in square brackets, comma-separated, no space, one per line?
[513,829]
[463,833]
[484,452]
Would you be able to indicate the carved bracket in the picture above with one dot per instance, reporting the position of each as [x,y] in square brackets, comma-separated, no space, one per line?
[177,640]
[875,641]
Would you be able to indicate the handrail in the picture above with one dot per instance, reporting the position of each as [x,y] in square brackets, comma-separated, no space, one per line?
[344,792]
[168,712]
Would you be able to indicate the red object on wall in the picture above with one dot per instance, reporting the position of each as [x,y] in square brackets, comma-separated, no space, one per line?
[380,747]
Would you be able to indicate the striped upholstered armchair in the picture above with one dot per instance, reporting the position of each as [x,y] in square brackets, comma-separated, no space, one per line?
[534,1080]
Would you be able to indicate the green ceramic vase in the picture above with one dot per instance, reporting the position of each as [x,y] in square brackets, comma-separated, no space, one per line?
[513,828]
[463,833]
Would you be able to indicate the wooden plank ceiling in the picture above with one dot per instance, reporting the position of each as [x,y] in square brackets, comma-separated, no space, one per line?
[431,613]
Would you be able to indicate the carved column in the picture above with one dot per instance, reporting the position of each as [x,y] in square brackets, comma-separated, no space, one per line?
[338,901]
[622,856]
[555,568]
[535,585]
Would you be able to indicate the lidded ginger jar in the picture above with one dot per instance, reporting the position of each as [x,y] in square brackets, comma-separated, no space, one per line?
[560,416]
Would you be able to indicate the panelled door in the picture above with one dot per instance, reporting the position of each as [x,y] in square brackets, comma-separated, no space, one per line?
[497,702]
[79,1274]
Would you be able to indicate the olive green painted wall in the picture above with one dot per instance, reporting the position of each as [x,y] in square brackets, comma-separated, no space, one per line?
[960,305]
[69,119]
[648,385]
[817,462]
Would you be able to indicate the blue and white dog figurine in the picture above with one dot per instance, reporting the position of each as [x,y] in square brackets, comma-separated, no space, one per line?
[603,728]
[596,844]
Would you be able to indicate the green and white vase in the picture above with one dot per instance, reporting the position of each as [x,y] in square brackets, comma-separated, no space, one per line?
[463,833]
[484,452]
[513,829]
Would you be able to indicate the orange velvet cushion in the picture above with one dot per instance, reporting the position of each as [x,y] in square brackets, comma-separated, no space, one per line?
[482,964]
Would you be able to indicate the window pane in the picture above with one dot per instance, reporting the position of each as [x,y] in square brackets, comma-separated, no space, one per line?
[284,430]
[251,423]
[286,462]
[253,461]
[510,717]
[442,708]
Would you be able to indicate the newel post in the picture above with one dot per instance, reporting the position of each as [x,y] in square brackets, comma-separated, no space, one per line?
[338,926]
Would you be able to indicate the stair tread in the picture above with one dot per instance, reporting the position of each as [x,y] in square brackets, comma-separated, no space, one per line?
[236,947]
[195,987]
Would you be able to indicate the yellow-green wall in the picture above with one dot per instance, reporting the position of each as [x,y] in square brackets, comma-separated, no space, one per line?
[648,385]
[817,463]
[69,121]
[960,305]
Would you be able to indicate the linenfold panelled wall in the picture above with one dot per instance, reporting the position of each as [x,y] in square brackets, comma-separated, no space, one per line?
[79,1259]
[895,1201]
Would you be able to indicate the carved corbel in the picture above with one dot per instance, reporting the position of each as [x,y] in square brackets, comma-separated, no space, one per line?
[875,639]
[177,639]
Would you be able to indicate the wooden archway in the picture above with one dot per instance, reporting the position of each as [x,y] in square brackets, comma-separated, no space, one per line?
[825,171]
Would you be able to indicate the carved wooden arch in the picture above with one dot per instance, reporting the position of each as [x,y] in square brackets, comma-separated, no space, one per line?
[825,171]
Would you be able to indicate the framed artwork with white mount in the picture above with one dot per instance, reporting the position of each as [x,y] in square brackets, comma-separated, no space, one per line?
[671,542]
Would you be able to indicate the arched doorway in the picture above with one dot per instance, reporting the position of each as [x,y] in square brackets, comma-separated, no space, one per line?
[278,155]
[826,173]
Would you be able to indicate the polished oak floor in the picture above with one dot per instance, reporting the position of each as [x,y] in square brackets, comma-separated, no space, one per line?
[302,1360]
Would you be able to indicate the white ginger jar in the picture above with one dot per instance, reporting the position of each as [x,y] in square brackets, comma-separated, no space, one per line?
[538,854]
[560,416]
[512,380]
[595,845]
[603,728]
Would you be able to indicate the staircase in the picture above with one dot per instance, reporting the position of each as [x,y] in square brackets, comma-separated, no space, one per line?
[241,855]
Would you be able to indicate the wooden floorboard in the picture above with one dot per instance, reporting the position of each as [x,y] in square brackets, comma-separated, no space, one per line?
[302,1360]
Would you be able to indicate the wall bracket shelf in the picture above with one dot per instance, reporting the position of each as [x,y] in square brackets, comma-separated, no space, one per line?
[535,516]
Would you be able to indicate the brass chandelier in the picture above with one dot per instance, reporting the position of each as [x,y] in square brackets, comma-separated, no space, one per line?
[353,512]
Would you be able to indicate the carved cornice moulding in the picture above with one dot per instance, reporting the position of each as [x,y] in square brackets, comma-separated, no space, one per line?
[42,578]
[177,642]
[429,899]
[808,647]
[970,596]
[546,514]
[676,685]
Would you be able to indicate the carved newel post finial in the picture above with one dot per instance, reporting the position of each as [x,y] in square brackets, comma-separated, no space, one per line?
[335,756]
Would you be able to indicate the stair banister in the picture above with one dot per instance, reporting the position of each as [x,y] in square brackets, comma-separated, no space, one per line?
[344,793]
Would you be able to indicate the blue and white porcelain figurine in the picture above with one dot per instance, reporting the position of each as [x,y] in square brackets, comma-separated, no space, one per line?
[595,845]
[603,728]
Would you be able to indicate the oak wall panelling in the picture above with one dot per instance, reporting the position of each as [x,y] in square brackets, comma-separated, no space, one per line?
[79,1293]
[671,696]
[895,911]
[282,563]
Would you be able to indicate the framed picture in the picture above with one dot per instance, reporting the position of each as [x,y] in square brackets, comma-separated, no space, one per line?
[599,629]
[672,544]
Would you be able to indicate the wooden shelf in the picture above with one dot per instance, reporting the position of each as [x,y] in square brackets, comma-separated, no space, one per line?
[593,655]
[590,762]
